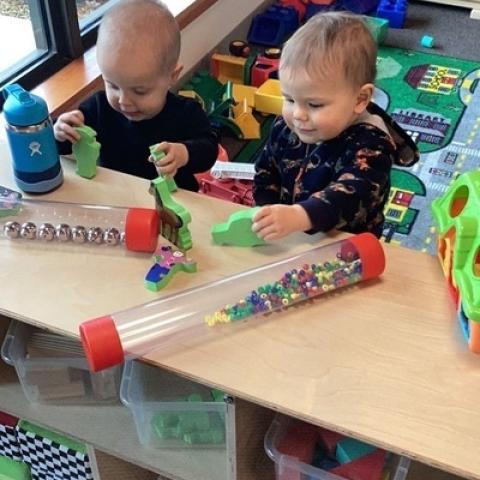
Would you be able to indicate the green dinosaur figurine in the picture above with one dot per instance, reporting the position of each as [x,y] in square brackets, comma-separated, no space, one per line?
[157,156]
[86,152]
[237,230]
[174,217]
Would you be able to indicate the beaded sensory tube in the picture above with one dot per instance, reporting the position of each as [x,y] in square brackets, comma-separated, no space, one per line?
[295,285]
[25,220]
[189,314]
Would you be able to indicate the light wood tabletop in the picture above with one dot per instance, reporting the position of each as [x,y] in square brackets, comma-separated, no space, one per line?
[382,361]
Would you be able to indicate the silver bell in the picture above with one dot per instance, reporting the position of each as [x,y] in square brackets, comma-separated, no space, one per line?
[11,229]
[95,235]
[28,230]
[79,234]
[46,232]
[63,232]
[111,236]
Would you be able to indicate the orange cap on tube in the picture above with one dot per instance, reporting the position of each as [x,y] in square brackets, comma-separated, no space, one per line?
[101,343]
[141,229]
[371,254]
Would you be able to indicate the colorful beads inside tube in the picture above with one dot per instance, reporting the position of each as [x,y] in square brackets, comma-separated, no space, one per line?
[294,286]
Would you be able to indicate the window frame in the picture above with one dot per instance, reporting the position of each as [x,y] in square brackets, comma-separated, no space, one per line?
[36,67]
[69,45]
[64,42]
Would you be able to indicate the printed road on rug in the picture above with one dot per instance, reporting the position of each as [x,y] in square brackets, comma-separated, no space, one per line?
[437,100]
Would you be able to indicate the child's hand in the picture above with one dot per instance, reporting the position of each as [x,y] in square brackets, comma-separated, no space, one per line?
[63,128]
[277,221]
[176,156]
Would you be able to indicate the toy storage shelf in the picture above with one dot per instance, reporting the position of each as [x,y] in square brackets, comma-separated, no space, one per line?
[111,429]
[475,4]
[112,468]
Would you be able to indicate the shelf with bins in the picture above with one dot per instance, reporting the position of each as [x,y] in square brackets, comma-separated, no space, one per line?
[475,4]
[111,429]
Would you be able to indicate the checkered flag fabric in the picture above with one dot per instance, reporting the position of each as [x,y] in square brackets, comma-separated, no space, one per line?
[48,460]
[8,443]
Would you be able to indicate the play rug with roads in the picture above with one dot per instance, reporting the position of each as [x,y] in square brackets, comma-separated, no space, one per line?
[437,100]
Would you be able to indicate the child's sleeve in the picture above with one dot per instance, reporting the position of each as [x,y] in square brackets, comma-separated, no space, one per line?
[64,148]
[202,143]
[90,109]
[267,179]
[356,196]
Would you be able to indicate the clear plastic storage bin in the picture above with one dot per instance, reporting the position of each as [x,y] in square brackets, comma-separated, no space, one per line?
[289,467]
[52,369]
[173,412]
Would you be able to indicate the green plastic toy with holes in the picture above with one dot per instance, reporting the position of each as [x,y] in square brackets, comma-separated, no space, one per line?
[457,216]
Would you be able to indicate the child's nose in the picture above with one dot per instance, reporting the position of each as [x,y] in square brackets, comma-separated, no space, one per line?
[299,113]
[124,100]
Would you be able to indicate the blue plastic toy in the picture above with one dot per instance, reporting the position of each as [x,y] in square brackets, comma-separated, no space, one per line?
[350,449]
[378,28]
[313,9]
[273,26]
[359,6]
[427,41]
[395,11]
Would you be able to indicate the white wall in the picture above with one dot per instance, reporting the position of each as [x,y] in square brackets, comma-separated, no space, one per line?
[208,30]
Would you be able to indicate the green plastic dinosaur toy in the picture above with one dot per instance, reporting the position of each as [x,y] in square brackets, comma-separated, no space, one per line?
[237,230]
[157,156]
[86,152]
[174,218]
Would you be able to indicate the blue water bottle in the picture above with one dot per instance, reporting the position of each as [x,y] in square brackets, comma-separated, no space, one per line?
[36,164]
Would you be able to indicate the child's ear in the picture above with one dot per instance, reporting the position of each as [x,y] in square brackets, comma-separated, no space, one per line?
[364,96]
[176,73]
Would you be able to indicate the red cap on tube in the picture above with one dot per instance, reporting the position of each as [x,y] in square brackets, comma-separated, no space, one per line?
[141,229]
[371,254]
[101,343]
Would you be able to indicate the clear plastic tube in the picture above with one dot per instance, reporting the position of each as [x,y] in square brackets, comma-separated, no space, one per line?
[110,339]
[60,222]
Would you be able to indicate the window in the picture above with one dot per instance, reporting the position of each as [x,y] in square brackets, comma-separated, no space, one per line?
[42,36]
[89,13]
[20,22]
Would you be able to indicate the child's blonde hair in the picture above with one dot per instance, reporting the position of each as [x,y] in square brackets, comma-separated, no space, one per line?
[330,41]
[147,21]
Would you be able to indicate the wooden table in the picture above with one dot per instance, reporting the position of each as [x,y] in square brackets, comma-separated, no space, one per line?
[382,361]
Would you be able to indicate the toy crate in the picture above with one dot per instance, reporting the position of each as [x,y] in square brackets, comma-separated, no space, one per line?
[291,466]
[52,369]
[173,412]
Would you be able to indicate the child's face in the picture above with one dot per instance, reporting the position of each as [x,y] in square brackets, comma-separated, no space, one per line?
[319,109]
[135,86]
